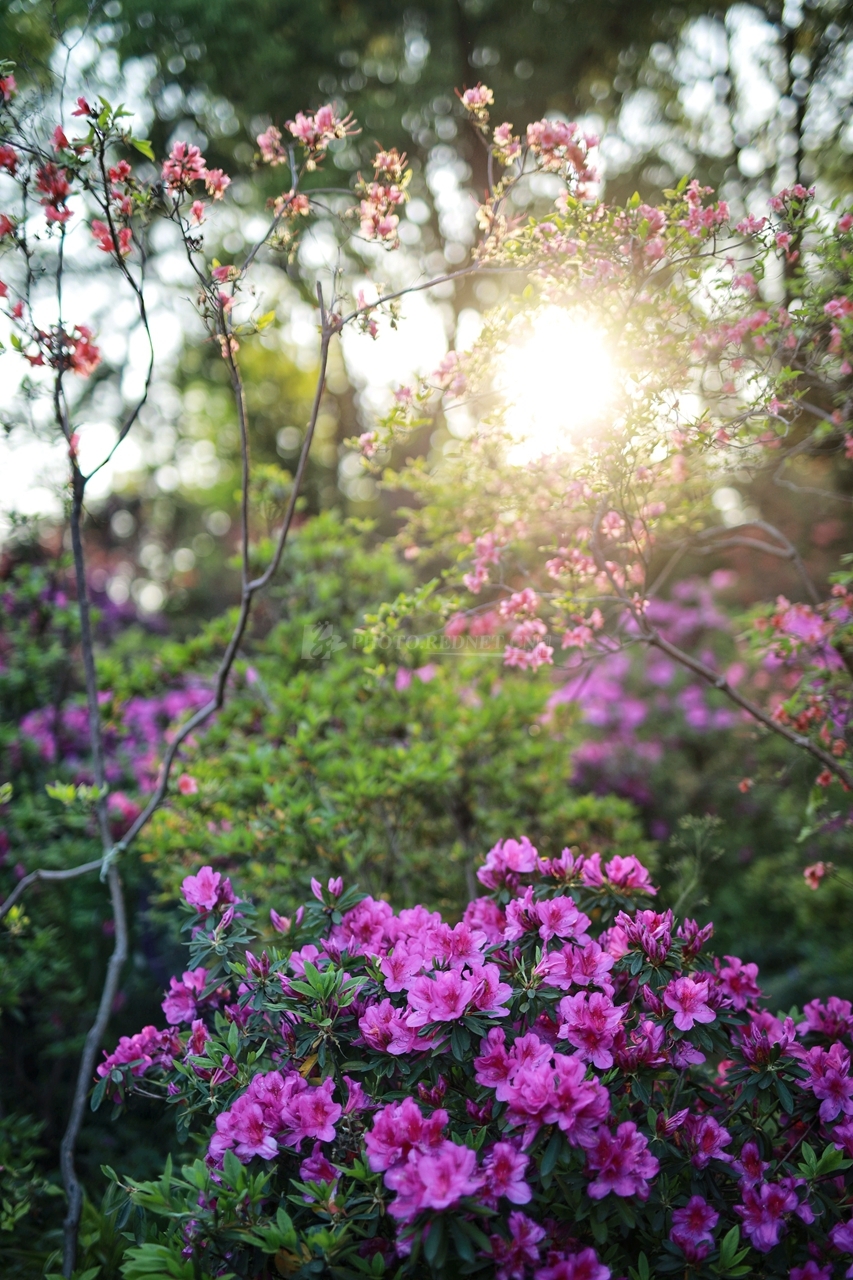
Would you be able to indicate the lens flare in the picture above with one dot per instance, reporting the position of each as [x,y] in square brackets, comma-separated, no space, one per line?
[556,381]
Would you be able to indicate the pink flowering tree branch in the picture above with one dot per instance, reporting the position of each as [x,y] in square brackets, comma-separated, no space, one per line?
[708,386]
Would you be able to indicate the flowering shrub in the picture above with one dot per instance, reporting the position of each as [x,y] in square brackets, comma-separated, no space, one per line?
[565,1085]
[700,390]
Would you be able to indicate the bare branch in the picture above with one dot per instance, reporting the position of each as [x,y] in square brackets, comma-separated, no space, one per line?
[651,635]
[92,1044]
[43,873]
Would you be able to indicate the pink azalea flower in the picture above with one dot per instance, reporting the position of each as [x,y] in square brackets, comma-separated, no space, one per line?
[830,1081]
[311,1113]
[738,981]
[385,1029]
[397,1129]
[184,166]
[577,1106]
[622,1162]
[181,1004]
[561,918]
[508,858]
[202,890]
[434,1179]
[400,967]
[513,1257]
[503,1169]
[630,874]
[833,1019]
[590,1020]
[688,997]
[575,1266]
[442,996]
[251,1134]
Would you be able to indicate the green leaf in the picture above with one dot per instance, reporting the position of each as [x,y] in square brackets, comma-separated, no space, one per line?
[98,1093]
[729,1247]
[831,1161]
[64,792]
[144,146]
[785,1096]
[435,1244]
[552,1152]
[5,793]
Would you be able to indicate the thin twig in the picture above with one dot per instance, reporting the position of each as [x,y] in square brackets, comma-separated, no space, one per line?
[43,873]
[650,635]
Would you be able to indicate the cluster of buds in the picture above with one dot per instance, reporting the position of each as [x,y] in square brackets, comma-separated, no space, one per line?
[52,181]
[649,932]
[487,551]
[184,167]
[505,145]
[476,102]
[63,349]
[701,218]
[121,178]
[317,132]
[291,204]
[562,148]
[382,196]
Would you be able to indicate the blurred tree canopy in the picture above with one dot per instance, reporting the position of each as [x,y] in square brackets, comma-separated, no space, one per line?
[732,92]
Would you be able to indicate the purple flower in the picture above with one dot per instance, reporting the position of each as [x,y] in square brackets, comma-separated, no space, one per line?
[841,1236]
[707,1138]
[833,1019]
[829,1079]
[574,1266]
[311,1113]
[316,1168]
[811,1271]
[763,1212]
[513,1257]
[692,1228]
[622,1162]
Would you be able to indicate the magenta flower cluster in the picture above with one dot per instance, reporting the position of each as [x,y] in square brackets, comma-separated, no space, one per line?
[558,1082]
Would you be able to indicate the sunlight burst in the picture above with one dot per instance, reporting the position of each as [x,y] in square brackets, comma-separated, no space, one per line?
[556,381]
